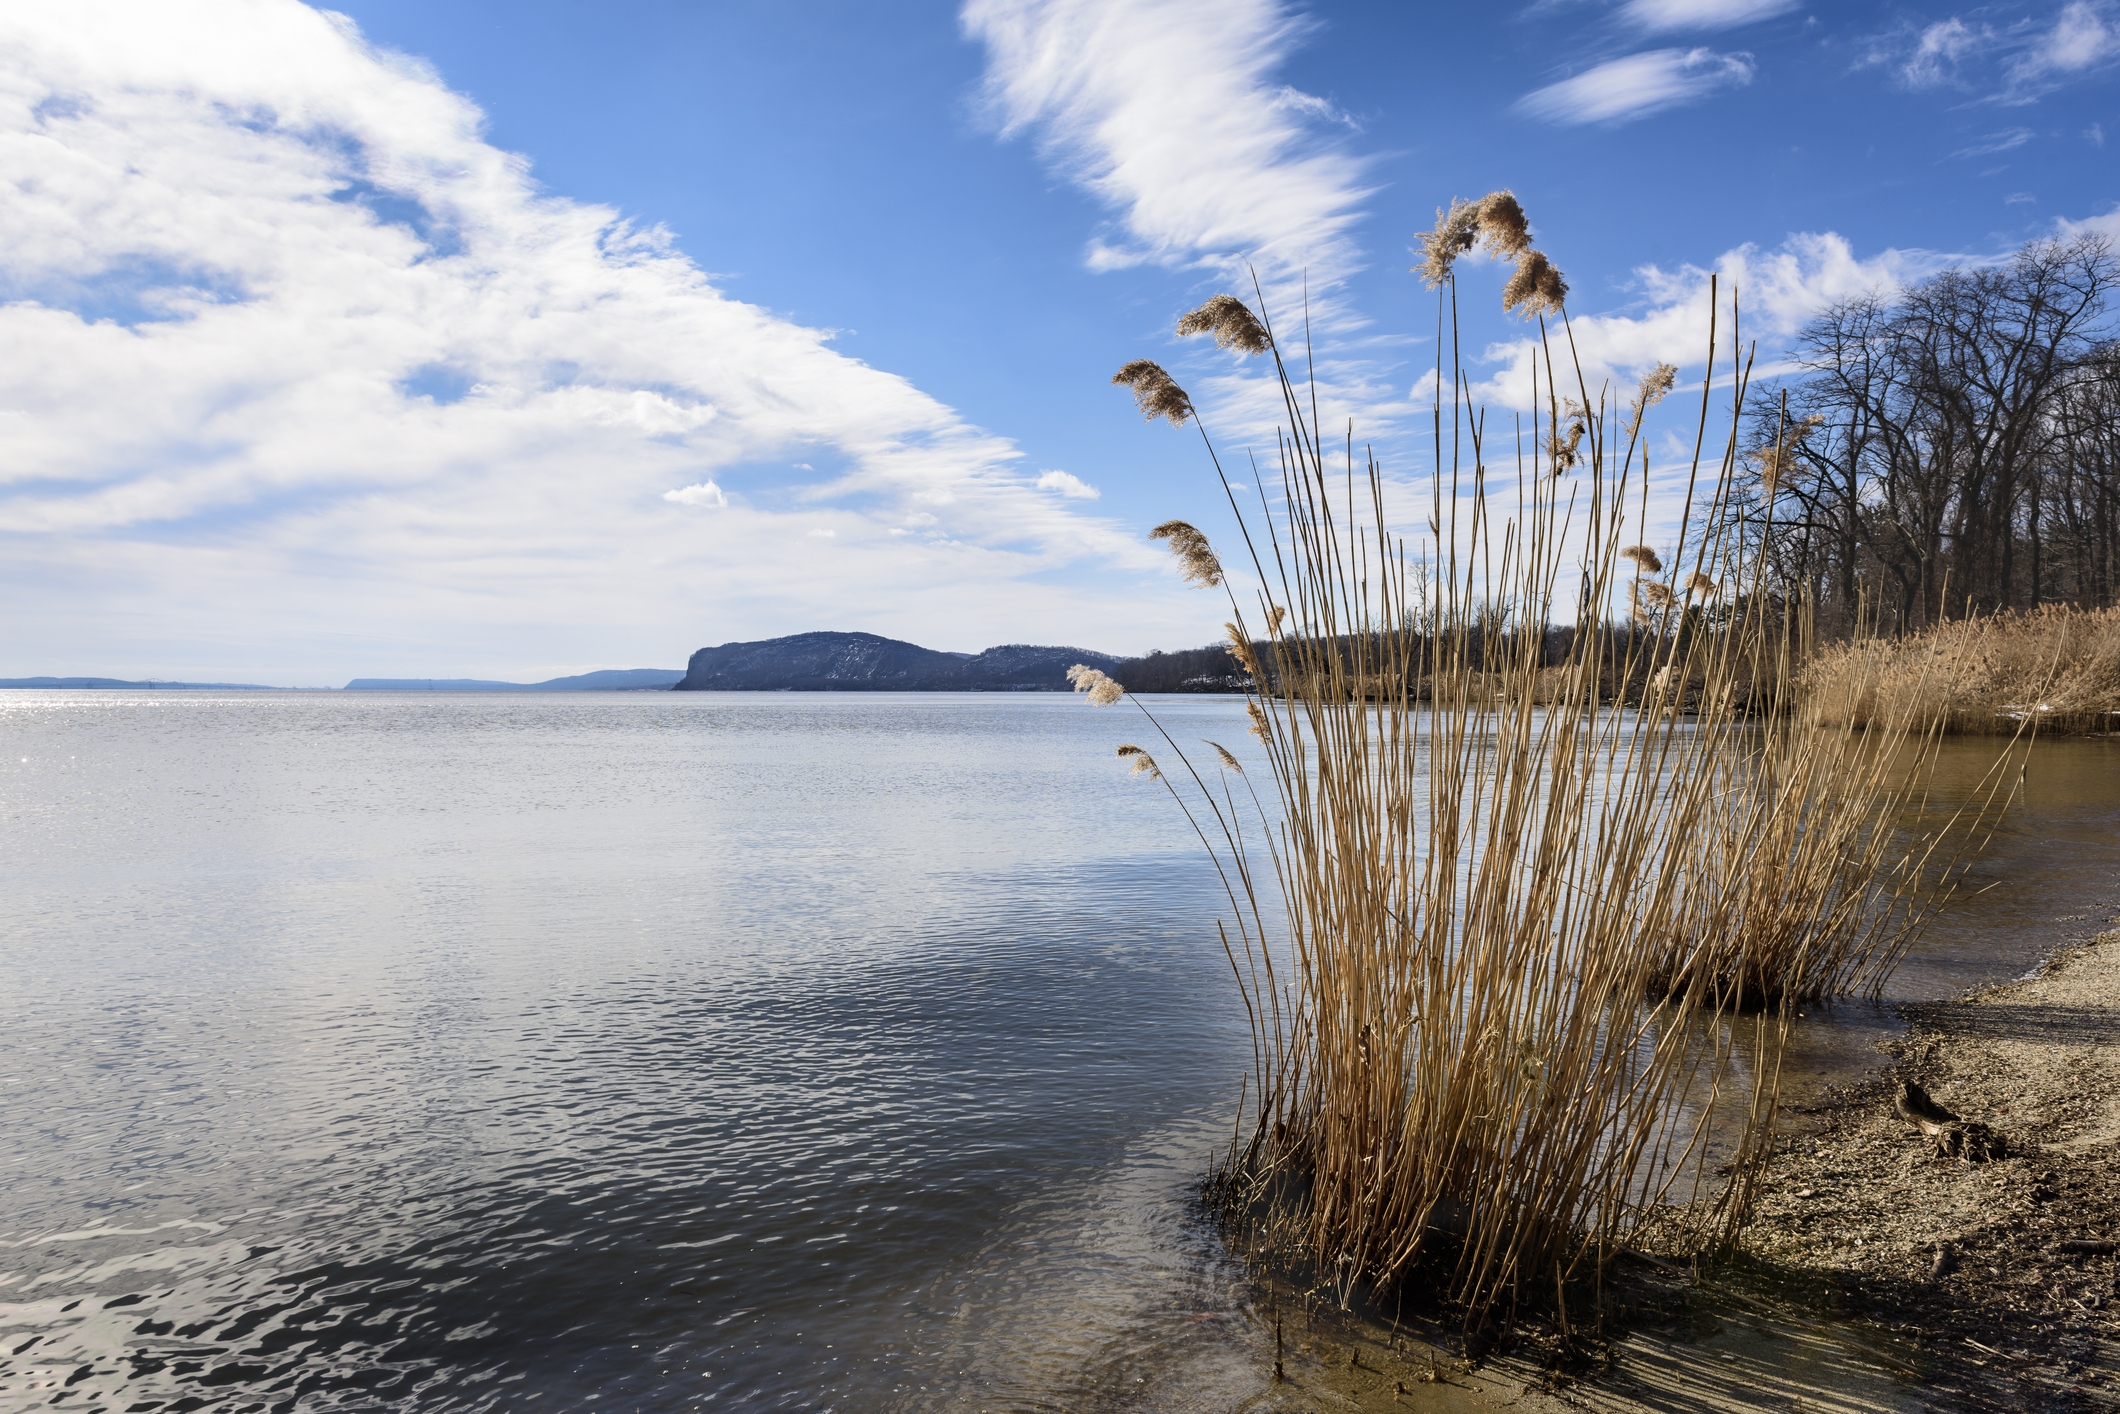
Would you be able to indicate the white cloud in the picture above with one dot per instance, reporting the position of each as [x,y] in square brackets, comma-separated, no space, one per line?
[1935,56]
[1702,14]
[1067,484]
[296,364]
[1778,291]
[1621,90]
[1167,112]
[2081,39]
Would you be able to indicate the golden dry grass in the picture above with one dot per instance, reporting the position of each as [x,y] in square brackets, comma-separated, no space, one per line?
[2056,669]
[1510,947]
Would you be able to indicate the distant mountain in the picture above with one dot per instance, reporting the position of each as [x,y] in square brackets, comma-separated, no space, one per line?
[867,662]
[606,680]
[121,682]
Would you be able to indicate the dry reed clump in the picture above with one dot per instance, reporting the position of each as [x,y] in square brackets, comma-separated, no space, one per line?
[2054,669]
[1498,968]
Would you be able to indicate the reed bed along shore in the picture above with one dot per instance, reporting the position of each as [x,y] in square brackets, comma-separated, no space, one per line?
[2055,669]
[1509,948]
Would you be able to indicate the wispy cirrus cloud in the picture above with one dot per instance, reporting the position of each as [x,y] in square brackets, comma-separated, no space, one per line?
[2003,141]
[1621,90]
[1702,14]
[296,361]
[2084,37]
[1169,113]
[2017,60]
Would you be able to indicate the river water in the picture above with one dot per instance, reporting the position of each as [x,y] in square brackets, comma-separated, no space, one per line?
[659,1051]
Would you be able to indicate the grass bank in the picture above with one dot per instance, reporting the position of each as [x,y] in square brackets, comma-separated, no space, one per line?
[2056,667]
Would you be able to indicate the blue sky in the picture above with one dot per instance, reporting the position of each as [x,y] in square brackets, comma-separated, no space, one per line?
[512,340]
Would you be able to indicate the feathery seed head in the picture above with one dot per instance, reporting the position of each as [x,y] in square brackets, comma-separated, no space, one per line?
[1195,556]
[1144,764]
[1566,448]
[1232,323]
[1698,583]
[1503,224]
[1240,649]
[1259,725]
[1653,387]
[1536,286]
[1274,615]
[1156,393]
[1103,690]
[1657,594]
[1455,231]
[1644,559]
[1229,762]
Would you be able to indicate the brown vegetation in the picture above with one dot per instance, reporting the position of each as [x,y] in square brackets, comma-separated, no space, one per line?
[2055,669]
[1524,954]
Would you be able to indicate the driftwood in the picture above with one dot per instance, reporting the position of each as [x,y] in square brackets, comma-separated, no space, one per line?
[1954,1138]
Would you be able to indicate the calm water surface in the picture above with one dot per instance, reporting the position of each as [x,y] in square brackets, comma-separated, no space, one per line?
[658,1051]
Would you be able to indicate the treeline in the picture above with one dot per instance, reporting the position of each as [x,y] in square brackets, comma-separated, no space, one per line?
[1210,669]
[1953,449]
[1215,668]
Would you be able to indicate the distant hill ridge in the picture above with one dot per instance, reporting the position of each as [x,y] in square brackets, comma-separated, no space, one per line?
[156,683]
[868,662]
[605,680]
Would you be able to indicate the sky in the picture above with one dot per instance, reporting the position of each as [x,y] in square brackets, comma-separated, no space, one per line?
[457,338]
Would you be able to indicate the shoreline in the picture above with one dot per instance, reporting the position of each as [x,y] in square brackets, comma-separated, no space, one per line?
[1876,1274]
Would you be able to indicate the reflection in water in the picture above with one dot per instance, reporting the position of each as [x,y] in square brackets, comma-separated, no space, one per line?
[2050,872]
[451,1052]
[459,1052]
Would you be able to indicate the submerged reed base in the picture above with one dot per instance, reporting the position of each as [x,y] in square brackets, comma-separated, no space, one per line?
[1518,960]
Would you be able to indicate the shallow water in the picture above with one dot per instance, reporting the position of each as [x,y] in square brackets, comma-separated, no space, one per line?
[659,1051]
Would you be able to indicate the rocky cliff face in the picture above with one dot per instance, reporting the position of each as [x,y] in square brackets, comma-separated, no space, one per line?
[867,662]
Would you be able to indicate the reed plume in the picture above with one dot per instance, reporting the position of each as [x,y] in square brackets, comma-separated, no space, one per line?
[1497,219]
[1536,286]
[1232,323]
[1229,762]
[1643,559]
[1102,689]
[1143,763]
[1698,583]
[1156,393]
[1455,231]
[1503,224]
[1195,556]
[1651,392]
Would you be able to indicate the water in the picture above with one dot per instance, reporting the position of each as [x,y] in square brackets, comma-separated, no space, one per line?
[663,1051]
[650,1051]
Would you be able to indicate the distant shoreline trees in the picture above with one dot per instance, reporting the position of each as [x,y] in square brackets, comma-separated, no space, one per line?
[1951,449]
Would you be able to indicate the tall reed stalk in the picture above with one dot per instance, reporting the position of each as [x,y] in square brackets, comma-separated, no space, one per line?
[1528,938]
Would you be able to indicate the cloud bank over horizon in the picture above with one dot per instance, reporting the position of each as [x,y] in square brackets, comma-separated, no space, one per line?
[298,366]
